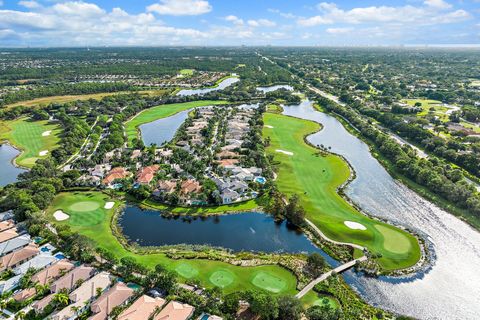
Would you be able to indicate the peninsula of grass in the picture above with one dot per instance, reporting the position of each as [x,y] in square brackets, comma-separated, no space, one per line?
[230,278]
[36,139]
[315,178]
[162,111]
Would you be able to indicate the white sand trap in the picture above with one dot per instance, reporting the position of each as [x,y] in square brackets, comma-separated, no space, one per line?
[288,153]
[59,215]
[43,153]
[46,133]
[109,205]
[268,126]
[355,225]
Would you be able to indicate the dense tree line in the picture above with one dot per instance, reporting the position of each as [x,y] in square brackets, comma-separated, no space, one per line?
[432,173]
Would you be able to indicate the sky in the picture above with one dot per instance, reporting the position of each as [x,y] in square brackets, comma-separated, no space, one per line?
[59,23]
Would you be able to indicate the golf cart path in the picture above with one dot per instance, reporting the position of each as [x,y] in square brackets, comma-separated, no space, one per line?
[317,230]
[324,276]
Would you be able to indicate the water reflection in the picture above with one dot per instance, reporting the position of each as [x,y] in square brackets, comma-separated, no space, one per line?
[8,172]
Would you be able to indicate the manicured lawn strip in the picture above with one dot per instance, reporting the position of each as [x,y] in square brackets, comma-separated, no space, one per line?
[315,178]
[187,72]
[205,271]
[236,207]
[26,135]
[162,111]
[314,299]
[70,98]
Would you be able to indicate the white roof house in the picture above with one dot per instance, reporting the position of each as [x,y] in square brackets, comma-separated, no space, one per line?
[38,262]
[13,244]
[10,284]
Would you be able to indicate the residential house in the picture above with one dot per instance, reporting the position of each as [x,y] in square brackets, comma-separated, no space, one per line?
[70,280]
[205,316]
[143,308]
[38,262]
[7,224]
[227,155]
[228,196]
[146,174]
[175,311]
[89,180]
[190,186]
[8,234]
[10,284]
[165,187]
[100,169]
[16,258]
[115,296]
[6,215]
[114,174]
[227,162]
[83,295]
[14,244]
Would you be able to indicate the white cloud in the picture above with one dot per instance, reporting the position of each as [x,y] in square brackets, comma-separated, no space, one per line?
[438,4]
[181,7]
[78,8]
[423,15]
[234,19]
[261,23]
[339,30]
[29,4]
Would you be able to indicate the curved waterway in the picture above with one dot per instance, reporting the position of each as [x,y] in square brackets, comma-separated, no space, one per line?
[8,172]
[250,231]
[275,88]
[450,288]
[222,85]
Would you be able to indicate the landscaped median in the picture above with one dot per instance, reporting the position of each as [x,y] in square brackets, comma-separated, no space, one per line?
[87,215]
[36,139]
[162,111]
[315,177]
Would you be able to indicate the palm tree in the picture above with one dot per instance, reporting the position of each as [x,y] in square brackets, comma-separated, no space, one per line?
[61,299]
[41,289]
[20,315]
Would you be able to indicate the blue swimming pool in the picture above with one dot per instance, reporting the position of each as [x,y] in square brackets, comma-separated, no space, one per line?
[260,180]
[60,256]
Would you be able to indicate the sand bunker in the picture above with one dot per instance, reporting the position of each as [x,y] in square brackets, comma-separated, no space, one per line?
[43,153]
[109,205]
[355,225]
[268,126]
[46,133]
[288,153]
[59,215]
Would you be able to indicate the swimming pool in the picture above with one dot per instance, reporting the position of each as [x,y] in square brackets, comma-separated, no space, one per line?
[260,180]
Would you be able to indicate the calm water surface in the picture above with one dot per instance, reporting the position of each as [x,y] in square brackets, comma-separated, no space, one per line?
[8,172]
[274,88]
[450,289]
[222,85]
[162,130]
[251,231]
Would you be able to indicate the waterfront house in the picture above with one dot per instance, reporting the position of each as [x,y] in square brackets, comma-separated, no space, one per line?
[228,196]
[146,174]
[143,308]
[115,174]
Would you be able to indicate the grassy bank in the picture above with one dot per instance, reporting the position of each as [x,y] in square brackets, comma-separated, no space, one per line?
[89,217]
[34,138]
[304,171]
[162,111]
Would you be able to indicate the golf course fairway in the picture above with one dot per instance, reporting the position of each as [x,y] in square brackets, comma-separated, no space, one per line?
[162,111]
[36,139]
[230,278]
[302,170]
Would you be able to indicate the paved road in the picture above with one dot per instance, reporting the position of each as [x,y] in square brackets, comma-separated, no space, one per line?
[324,276]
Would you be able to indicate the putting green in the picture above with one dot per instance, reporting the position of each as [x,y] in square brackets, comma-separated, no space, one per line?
[394,241]
[222,278]
[83,206]
[315,178]
[186,270]
[269,282]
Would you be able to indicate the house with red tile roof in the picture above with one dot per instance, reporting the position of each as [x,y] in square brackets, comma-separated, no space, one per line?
[115,296]
[114,174]
[175,311]
[142,308]
[16,258]
[146,174]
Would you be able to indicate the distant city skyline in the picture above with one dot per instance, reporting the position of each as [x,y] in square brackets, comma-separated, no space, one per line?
[57,23]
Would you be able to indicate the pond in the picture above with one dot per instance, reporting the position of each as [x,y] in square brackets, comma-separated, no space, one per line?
[8,172]
[162,130]
[274,88]
[450,288]
[250,231]
[222,85]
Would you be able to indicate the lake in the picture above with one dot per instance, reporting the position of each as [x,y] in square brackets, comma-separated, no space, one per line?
[450,288]
[250,231]
[222,85]
[162,130]
[8,172]
[274,88]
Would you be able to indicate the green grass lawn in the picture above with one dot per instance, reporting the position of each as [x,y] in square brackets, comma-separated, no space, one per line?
[315,178]
[230,278]
[30,137]
[440,111]
[314,299]
[187,72]
[162,111]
